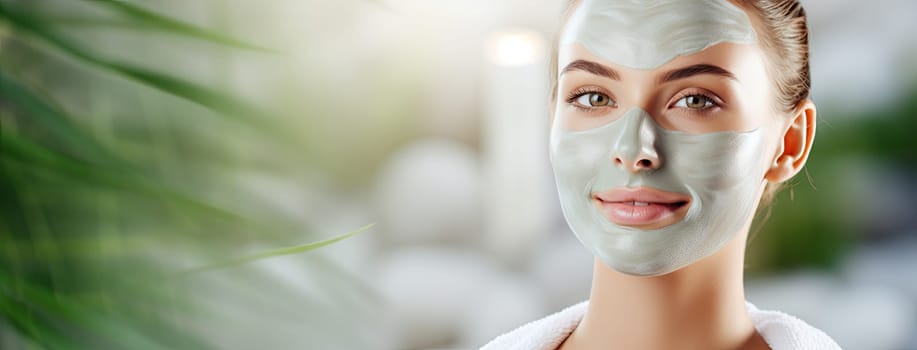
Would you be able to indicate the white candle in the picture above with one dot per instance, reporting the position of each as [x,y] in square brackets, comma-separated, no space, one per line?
[514,144]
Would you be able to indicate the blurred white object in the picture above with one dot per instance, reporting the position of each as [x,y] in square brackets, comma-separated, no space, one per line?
[432,293]
[429,192]
[515,47]
[844,34]
[888,266]
[888,263]
[562,268]
[504,305]
[516,171]
[857,316]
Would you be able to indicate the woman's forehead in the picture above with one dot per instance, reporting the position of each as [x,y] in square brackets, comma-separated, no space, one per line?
[743,61]
[644,34]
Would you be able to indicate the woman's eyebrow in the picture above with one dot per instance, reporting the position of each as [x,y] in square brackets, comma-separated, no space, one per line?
[592,67]
[697,69]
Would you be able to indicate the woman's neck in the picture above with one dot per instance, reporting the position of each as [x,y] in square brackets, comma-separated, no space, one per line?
[701,306]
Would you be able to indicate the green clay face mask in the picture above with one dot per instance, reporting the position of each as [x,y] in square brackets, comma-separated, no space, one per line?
[719,174]
[647,34]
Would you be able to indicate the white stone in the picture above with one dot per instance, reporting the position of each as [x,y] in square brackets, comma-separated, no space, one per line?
[429,192]
[505,305]
[428,292]
[562,268]
[857,316]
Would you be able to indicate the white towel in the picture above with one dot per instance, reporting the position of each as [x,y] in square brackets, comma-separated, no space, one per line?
[779,330]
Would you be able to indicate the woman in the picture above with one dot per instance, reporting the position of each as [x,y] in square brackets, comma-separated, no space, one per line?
[671,120]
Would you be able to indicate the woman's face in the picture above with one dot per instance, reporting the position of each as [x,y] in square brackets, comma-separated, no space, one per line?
[663,130]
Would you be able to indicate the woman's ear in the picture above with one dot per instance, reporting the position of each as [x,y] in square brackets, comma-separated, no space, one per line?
[797,143]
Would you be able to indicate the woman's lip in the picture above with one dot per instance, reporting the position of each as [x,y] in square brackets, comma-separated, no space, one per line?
[644,208]
[641,194]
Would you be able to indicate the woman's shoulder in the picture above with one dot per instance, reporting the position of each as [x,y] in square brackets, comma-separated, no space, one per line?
[544,334]
[781,331]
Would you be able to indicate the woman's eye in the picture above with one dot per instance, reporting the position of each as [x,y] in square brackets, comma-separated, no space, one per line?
[594,99]
[695,102]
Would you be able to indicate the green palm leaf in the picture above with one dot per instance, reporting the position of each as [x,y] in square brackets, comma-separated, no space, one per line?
[207,97]
[91,238]
[153,20]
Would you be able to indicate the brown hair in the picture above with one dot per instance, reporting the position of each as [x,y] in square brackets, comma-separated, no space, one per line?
[783,36]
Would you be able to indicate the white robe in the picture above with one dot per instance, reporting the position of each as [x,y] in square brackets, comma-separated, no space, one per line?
[779,330]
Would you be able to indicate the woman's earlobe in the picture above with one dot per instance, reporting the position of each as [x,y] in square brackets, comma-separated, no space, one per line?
[796,144]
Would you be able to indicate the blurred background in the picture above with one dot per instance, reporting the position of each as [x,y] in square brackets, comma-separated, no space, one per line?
[165,167]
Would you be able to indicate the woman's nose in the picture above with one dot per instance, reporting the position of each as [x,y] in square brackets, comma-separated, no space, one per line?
[635,150]
[645,162]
